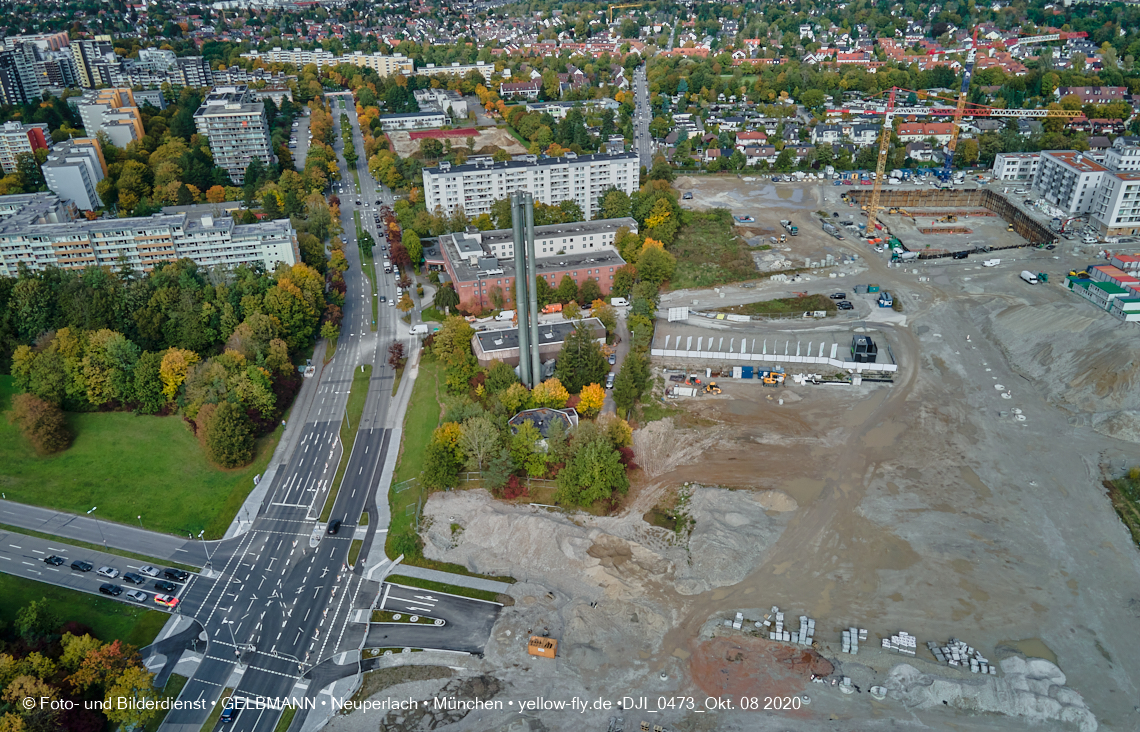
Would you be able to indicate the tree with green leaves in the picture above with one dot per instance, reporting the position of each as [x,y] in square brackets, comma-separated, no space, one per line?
[581,361]
[500,377]
[631,381]
[411,242]
[594,471]
[36,620]
[445,297]
[229,439]
[270,207]
[567,290]
[656,265]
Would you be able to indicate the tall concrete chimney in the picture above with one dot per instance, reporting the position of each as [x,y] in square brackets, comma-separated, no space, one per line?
[532,290]
[521,288]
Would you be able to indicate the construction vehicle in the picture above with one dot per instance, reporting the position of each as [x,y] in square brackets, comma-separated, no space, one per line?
[775,377]
[1009,228]
[712,388]
[947,219]
[791,228]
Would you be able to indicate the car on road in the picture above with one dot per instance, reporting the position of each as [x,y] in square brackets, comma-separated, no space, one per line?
[358,203]
[108,572]
[134,579]
[80,565]
[165,586]
[379,202]
[149,571]
[178,575]
[54,560]
[610,380]
[612,359]
[383,298]
[166,600]
[229,713]
[109,589]
[839,296]
[334,527]
[136,595]
[844,305]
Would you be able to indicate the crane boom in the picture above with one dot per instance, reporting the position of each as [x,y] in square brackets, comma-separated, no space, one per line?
[615,7]
[881,167]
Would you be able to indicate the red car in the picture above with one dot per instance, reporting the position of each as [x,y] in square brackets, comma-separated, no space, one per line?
[166,600]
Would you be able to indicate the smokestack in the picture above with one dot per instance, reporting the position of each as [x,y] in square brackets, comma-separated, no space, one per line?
[521,301]
[532,285]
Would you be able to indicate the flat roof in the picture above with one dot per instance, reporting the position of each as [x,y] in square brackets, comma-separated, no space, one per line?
[407,115]
[491,341]
[1080,162]
[542,160]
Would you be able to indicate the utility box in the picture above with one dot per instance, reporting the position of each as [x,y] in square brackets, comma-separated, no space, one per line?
[872,288]
[864,350]
[539,646]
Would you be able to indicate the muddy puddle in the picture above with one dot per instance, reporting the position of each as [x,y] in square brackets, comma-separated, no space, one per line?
[1030,648]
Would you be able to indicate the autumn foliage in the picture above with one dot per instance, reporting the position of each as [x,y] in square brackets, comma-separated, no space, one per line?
[42,423]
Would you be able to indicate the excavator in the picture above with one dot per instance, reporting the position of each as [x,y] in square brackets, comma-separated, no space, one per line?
[948,219]
[712,388]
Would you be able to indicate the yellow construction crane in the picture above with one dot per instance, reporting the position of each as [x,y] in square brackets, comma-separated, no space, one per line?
[615,7]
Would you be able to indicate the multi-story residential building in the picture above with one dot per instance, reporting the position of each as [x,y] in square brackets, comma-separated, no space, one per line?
[94,61]
[18,82]
[1116,209]
[480,261]
[558,110]
[153,97]
[237,129]
[17,138]
[113,112]
[474,186]
[1016,166]
[381,64]
[525,89]
[1093,94]
[73,169]
[1068,180]
[155,67]
[44,41]
[412,121]
[1122,156]
[40,230]
[458,69]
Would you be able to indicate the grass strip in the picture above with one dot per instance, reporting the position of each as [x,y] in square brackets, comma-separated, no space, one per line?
[387,616]
[396,380]
[285,719]
[356,179]
[171,691]
[367,263]
[487,595]
[1124,493]
[330,349]
[783,306]
[100,548]
[363,519]
[108,619]
[348,425]
[216,712]
[354,551]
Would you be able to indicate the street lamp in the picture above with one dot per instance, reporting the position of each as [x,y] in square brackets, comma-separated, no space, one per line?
[206,547]
[98,526]
[228,623]
[140,521]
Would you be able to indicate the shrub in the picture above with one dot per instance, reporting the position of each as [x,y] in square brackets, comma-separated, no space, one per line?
[229,437]
[42,423]
[515,488]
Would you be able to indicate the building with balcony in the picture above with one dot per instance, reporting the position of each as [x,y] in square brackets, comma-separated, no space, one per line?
[474,186]
[17,138]
[73,169]
[1068,180]
[113,112]
[237,129]
[1016,166]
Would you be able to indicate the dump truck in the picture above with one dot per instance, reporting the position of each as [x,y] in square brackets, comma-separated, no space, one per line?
[790,227]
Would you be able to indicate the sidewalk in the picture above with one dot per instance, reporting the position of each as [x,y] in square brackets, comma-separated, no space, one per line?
[459,580]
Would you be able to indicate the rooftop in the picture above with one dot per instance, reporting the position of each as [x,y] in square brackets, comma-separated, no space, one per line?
[543,417]
[1079,162]
[530,161]
[490,341]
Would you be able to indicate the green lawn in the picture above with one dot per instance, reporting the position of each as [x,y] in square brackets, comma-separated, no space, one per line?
[451,589]
[356,179]
[100,548]
[109,619]
[782,306]
[216,712]
[348,427]
[129,465]
[285,719]
[172,689]
[367,264]
[431,314]
[708,252]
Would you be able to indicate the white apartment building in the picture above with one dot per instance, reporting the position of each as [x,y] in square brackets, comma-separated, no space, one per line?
[16,138]
[39,230]
[1068,180]
[1116,209]
[1016,166]
[412,121]
[1122,157]
[237,129]
[381,64]
[474,186]
[458,69]
[113,112]
[441,100]
[73,169]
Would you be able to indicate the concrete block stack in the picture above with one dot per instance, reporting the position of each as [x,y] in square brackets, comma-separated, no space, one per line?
[775,621]
[903,643]
[959,653]
[803,636]
[851,638]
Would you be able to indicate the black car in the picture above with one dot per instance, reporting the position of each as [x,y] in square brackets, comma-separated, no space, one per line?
[81,566]
[960,255]
[109,589]
[134,579]
[844,305]
[334,527]
[178,575]
[379,202]
[839,296]
[54,561]
[164,586]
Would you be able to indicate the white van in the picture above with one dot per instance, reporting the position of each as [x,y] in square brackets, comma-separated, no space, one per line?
[505,315]
[619,302]
[420,329]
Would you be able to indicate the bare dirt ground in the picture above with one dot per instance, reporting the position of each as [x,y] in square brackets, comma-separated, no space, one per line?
[405,146]
[928,506]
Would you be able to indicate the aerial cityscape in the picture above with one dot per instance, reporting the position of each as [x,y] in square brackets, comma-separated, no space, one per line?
[525,367]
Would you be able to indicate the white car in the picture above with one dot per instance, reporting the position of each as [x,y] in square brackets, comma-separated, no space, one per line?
[137,596]
[108,572]
[150,571]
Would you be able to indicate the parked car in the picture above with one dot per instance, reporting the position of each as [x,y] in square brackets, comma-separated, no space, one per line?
[54,560]
[839,296]
[844,305]
[687,196]
[165,586]
[178,575]
[610,380]
[134,579]
[108,572]
[166,600]
[80,565]
[136,595]
[109,589]
[149,571]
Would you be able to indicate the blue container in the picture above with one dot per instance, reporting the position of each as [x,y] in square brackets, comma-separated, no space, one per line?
[746,372]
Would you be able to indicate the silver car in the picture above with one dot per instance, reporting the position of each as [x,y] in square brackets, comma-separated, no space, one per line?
[136,595]
[108,572]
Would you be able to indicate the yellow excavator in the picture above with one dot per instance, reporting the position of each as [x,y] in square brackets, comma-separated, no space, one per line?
[712,388]
[948,219]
